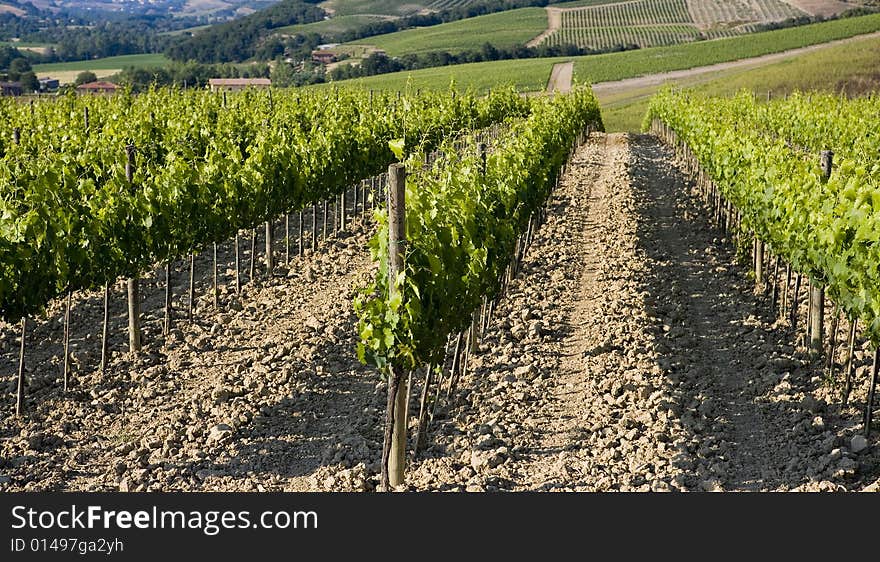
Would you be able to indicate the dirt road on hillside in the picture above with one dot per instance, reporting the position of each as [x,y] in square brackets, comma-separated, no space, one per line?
[560,78]
[621,86]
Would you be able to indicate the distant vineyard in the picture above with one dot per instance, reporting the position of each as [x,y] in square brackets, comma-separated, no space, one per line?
[652,23]
[447,4]
[711,13]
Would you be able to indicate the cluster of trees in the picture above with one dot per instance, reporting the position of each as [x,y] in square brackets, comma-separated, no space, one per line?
[105,40]
[196,75]
[18,69]
[244,38]
[190,74]
[379,63]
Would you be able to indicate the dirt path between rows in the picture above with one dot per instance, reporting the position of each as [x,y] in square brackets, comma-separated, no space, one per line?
[554,22]
[632,354]
[560,78]
[621,86]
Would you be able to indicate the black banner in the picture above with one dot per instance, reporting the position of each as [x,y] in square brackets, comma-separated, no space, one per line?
[157,526]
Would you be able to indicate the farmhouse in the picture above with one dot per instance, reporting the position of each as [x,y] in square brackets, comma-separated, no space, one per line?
[100,87]
[323,57]
[236,84]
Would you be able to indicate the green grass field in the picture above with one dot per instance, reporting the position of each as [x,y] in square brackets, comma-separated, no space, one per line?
[338,24]
[532,74]
[502,29]
[124,61]
[381,7]
[850,68]
[525,75]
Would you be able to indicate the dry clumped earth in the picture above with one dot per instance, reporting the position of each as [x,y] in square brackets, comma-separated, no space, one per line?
[631,353]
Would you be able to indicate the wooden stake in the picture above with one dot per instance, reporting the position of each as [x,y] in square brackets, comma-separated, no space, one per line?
[794,302]
[65,373]
[423,412]
[314,226]
[774,298]
[167,327]
[237,264]
[784,306]
[106,325]
[759,262]
[300,238]
[835,324]
[395,424]
[393,449]
[19,391]
[869,406]
[216,286]
[826,161]
[192,286]
[270,258]
[253,254]
[342,211]
[847,387]
[286,238]
[817,316]
[456,364]
[134,316]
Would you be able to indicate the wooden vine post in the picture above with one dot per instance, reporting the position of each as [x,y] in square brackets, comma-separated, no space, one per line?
[19,387]
[394,449]
[759,262]
[869,406]
[286,238]
[270,258]
[421,438]
[105,327]
[314,226]
[237,264]
[299,240]
[166,327]
[253,253]
[192,286]
[134,303]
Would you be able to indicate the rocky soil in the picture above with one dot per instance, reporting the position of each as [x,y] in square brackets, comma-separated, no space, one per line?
[631,353]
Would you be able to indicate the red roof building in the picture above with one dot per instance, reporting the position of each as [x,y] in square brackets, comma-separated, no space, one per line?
[324,57]
[97,88]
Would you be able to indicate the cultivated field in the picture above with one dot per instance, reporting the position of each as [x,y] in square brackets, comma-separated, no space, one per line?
[502,29]
[650,23]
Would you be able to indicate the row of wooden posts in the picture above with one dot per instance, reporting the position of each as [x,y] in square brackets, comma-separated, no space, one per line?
[461,345]
[364,195]
[728,218]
